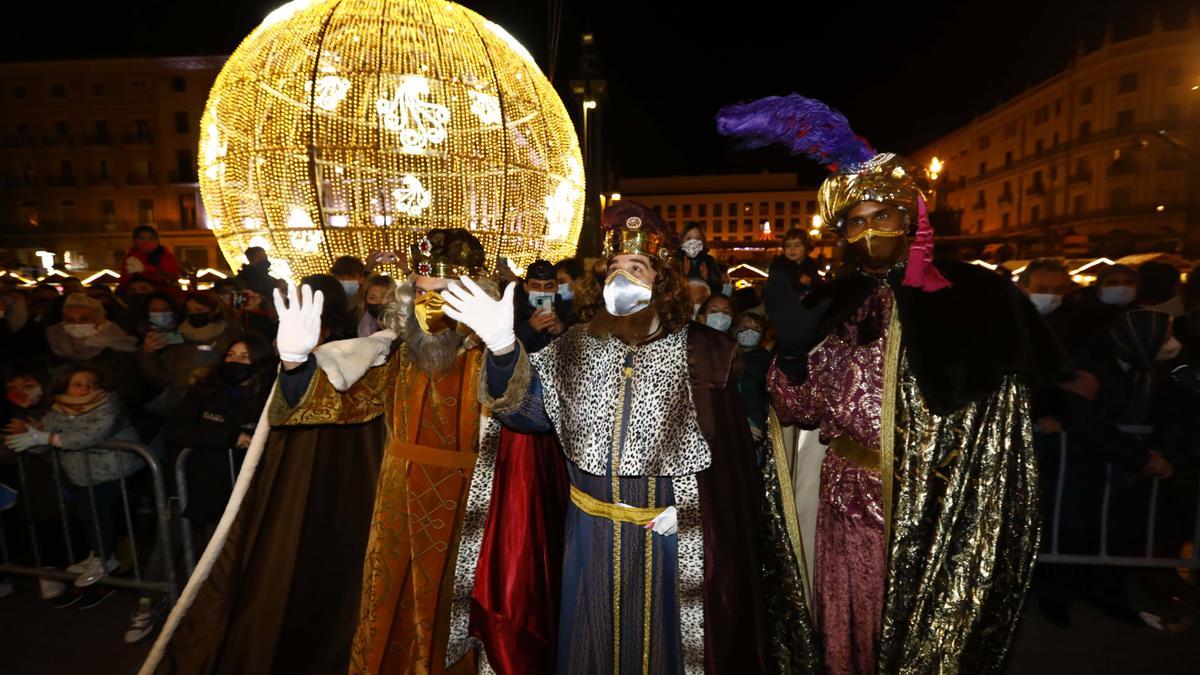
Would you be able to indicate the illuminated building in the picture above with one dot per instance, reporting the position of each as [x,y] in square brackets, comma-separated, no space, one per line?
[1100,159]
[91,149]
[744,216]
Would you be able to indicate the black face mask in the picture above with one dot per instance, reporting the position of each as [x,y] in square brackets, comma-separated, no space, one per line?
[375,310]
[235,373]
[199,320]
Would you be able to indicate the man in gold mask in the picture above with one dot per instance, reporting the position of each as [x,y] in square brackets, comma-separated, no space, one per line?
[915,530]
[317,532]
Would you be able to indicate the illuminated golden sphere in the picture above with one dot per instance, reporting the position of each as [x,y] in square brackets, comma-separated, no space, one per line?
[340,127]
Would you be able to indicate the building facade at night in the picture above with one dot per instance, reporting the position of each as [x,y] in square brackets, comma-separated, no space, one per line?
[744,216]
[1101,159]
[91,149]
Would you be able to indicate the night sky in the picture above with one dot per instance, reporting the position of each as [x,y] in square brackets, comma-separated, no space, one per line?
[902,76]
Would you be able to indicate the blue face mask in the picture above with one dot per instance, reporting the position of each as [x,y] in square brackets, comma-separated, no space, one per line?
[1118,295]
[719,320]
[351,288]
[162,320]
[727,290]
[565,292]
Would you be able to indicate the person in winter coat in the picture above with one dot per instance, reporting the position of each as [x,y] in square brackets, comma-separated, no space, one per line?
[170,355]
[151,260]
[793,273]
[85,414]
[218,414]
[696,262]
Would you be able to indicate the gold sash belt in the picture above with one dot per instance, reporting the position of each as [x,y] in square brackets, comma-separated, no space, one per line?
[614,512]
[856,453]
[423,454]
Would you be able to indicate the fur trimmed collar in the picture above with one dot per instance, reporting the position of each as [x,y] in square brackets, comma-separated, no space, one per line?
[960,341]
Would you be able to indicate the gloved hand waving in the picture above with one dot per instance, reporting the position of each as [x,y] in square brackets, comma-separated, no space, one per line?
[492,320]
[299,323]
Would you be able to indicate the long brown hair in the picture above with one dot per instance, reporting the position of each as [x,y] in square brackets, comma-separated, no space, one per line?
[670,298]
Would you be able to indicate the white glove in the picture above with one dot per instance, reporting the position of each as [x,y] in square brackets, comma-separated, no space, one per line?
[24,441]
[134,266]
[492,320]
[299,323]
[665,523]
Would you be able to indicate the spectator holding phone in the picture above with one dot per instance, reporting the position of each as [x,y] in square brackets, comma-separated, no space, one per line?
[538,318]
[168,358]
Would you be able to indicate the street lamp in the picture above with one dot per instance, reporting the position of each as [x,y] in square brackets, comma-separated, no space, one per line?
[616,197]
[935,168]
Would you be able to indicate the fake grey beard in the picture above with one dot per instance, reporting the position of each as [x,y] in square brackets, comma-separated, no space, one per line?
[432,353]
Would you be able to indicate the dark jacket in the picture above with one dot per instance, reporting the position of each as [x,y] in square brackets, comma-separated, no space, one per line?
[786,280]
[209,419]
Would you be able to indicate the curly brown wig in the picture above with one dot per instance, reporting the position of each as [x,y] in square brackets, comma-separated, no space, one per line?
[669,298]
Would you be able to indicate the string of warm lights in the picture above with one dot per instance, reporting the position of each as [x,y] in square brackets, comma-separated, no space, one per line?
[340,127]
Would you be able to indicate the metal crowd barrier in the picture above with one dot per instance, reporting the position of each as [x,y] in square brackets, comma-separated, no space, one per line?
[1102,556]
[168,586]
[181,489]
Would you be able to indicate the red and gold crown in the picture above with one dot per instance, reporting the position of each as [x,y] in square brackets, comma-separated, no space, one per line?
[448,253]
[630,227]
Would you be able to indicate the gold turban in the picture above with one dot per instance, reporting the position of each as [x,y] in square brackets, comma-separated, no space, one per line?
[886,177]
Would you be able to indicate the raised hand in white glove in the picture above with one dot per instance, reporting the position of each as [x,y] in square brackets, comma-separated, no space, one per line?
[24,441]
[492,320]
[299,323]
[664,523]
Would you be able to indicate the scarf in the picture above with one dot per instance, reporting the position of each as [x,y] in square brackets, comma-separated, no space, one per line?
[108,336]
[79,405]
[203,335]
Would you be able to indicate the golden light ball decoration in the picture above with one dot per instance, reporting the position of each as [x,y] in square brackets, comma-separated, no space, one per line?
[340,127]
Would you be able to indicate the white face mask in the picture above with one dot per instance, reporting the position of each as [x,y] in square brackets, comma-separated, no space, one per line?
[692,247]
[718,320]
[727,290]
[624,294]
[1118,295]
[351,288]
[1045,302]
[80,331]
[748,337]
[565,292]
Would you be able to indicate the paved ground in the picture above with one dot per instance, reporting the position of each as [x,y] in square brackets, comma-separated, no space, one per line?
[37,640]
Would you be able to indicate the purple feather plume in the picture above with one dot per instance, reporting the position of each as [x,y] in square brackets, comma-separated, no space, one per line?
[804,125]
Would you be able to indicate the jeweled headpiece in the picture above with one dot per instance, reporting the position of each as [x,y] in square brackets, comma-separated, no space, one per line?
[887,178]
[630,227]
[448,253]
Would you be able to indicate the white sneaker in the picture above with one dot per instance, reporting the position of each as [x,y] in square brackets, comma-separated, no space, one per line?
[51,589]
[94,570]
[78,567]
[143,622]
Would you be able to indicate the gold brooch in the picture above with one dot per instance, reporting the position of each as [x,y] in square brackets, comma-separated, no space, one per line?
[633,223]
